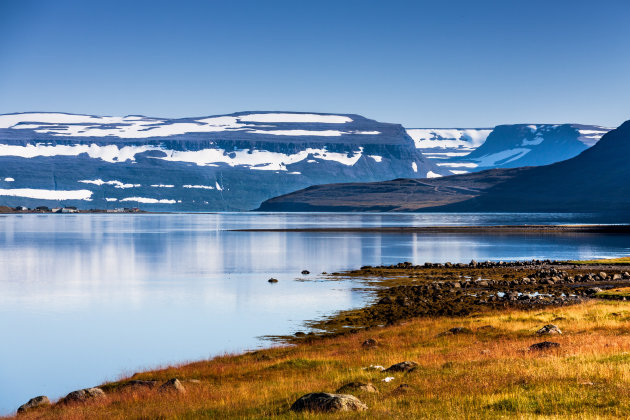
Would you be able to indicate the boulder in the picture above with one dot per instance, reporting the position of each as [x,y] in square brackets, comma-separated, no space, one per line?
[173,385]
[603,275]
[593,290]
[357,387]
[545,345]
[83,395]
[402,367]
[328,403]
[40,401]
[548,330]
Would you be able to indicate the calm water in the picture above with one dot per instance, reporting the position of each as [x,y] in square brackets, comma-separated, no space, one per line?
[86,298]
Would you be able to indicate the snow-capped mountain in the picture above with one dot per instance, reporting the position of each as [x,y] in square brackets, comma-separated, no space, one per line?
[505,146]
[226,162]
[445,145]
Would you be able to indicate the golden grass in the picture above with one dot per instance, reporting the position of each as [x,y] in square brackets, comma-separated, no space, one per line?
[486,374]
[623,260]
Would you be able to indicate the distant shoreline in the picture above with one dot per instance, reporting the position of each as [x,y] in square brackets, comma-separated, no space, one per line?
[607,229]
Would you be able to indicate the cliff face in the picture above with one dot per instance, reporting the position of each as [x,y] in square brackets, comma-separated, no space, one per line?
[229,162]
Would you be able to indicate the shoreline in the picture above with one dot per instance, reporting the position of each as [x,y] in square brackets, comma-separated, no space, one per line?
[600,229]
[405,295]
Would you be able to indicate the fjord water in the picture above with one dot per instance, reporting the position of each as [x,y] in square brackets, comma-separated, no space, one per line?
[87,298]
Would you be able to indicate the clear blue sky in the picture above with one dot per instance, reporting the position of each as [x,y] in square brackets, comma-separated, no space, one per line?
[422,63]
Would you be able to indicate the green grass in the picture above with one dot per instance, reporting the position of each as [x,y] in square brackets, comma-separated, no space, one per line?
[619,292]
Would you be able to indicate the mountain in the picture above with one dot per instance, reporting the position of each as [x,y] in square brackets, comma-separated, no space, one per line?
[505,146]
[444,146]
[593,181]
[226,162]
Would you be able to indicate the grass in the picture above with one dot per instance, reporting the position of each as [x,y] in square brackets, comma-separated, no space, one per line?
[618,292]
[486,374]
[624,260]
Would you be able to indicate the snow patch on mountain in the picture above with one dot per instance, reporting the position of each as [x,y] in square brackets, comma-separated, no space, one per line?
[441,145]
[256,159]
[448,138]
[114,183]
[138,127]
[592,135]
[296,118]
[146,200]
[41,194]
[501,158]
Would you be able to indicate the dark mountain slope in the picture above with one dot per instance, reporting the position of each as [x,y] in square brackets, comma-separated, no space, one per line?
[596,180]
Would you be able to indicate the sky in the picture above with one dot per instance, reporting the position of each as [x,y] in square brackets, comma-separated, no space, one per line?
[419,63]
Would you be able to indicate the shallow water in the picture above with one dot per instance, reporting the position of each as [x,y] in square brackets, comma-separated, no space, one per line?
[86,298]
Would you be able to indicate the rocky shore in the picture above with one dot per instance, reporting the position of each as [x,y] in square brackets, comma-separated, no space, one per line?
[405,291]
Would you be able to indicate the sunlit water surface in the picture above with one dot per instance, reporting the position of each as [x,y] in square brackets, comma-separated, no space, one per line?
[87,298]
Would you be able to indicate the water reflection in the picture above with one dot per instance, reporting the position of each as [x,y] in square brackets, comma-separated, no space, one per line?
[84,298]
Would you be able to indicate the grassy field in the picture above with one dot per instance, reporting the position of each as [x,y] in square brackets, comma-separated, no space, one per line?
[488,373]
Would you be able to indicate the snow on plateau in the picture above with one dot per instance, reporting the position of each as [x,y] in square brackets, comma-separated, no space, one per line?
[47,194]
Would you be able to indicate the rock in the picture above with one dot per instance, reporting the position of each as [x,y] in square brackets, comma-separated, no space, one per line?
[603,275]
[328,403]
[455,331]
[385,301]
[592,290]
[402,367]
[141,384]
[616,277]
[83,395]
[300,334]
[549,329]
[40,401]
[545,345]
[369,343]
[357,387]
[272,280]
[173,385]
[306,272]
